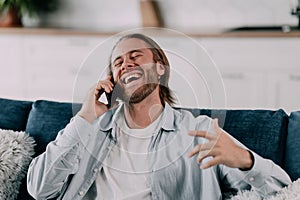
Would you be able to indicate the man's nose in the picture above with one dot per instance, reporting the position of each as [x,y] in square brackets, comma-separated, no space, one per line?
[127,64]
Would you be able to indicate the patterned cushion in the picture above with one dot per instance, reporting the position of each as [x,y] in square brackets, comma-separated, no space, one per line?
[46,119]
[292,159]
[262,131]
[14,114]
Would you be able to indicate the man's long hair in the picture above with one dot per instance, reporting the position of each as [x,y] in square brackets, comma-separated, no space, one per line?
[165,93]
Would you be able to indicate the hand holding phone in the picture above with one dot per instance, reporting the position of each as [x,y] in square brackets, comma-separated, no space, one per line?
[92,108]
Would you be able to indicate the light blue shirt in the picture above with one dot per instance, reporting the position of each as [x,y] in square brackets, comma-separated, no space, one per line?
[69,166]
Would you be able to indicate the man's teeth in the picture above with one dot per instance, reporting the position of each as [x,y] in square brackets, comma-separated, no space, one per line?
[131,77]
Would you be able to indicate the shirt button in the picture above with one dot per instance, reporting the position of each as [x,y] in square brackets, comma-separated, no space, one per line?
[81,193]
[95,170]
[251,179]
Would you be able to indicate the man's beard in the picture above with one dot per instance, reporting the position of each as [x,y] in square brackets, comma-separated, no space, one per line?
[141,92]
[137,96]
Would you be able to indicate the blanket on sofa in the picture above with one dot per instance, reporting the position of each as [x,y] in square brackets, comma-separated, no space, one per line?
[16,151]
[291,192]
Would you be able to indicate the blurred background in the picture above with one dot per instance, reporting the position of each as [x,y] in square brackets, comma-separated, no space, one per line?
[229,53]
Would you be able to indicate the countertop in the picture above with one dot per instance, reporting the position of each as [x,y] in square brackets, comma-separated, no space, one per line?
[260,32]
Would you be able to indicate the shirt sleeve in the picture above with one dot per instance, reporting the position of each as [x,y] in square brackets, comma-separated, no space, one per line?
[48,173]
[265,178]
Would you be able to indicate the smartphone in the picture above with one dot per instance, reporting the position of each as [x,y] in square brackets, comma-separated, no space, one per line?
[112,96]
[109,99]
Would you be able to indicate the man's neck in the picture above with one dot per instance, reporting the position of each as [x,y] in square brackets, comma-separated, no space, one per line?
[142,114]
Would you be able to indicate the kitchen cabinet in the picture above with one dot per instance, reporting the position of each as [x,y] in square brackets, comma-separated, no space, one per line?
[258,72]
[229,72]
[42,66]
[284,87]
[11,72]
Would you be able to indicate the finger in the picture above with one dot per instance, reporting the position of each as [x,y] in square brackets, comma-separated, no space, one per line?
[108,77]
[106,86]
[108,80]
[104,83]
[208,146]
[109,83]
[203,134]
[204,154]
[201,147]
[214,161]
[108,89]
[195,150]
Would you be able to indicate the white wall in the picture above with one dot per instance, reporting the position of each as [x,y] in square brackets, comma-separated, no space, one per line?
[183,15]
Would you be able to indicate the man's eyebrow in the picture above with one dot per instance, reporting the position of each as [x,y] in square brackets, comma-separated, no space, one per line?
[136,50]
[130,52]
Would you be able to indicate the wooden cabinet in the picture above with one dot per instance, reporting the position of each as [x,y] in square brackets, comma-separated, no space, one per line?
[247,73]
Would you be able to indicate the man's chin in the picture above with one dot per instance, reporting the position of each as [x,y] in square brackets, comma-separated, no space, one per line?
[141,93]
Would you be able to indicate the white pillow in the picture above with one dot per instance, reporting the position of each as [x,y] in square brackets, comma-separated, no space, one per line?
[16,151]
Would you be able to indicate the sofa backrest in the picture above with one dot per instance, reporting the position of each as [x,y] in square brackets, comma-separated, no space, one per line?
[46,119]
[263,131]
[14,114]
[292,154]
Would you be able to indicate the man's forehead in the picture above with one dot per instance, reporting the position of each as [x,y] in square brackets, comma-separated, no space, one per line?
[128,45]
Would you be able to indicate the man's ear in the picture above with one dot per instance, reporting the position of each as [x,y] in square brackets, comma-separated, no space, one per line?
[160,68]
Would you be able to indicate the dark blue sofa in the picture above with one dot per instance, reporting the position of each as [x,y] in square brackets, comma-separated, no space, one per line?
[272,134]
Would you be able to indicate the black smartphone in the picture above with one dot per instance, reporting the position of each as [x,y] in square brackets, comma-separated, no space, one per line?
[109,99]
[112,96]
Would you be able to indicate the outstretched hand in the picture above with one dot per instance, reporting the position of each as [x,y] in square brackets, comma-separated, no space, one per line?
[221,148]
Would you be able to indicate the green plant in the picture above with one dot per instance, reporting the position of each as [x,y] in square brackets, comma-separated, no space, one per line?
[30,7]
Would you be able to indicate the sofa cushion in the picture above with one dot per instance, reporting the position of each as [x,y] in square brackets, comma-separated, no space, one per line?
[46,119]
[292,157]
[263,131]
[14,114]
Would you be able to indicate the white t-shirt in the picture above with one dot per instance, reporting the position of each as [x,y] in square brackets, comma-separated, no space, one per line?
[125,170]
